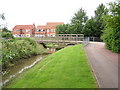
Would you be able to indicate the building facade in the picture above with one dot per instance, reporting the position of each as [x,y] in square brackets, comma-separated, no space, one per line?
[31,30]
[24,30]
[47,30]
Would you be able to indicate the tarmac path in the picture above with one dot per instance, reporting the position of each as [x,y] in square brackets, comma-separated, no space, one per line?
[104,64]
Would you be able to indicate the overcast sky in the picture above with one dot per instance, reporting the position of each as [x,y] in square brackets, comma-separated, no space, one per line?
[21,12]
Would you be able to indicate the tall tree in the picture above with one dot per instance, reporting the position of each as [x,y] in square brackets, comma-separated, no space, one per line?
[99,25]
[89,28]
[78,21]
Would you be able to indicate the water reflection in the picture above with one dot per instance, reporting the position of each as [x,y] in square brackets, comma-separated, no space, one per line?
[20,67]
[52,50]
[24,64]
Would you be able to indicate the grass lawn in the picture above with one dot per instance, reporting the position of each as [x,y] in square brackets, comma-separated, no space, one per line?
[67,68]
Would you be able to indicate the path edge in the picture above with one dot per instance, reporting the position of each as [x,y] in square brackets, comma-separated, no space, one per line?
[92,67]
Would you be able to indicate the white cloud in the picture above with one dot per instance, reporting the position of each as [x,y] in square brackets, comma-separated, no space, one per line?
[42,11]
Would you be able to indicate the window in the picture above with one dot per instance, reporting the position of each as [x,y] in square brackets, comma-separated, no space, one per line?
[22,35]
[27,35]
[48,30]
[27,30]
[15,30]
[40,30]
[53,30]
[22,30]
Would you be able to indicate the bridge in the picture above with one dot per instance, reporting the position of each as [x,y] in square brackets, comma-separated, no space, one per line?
[61,38]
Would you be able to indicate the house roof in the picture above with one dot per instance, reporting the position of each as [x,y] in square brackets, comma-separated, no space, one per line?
[49,25]
[41,27]
[24,27]
[54,23]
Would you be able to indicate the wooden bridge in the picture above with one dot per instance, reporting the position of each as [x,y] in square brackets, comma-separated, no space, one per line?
[61,38]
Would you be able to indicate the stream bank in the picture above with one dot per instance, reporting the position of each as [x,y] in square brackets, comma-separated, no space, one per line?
[24,64]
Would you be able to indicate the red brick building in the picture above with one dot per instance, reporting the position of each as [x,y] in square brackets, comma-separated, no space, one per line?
[31,30]
[48,29]
[24,30]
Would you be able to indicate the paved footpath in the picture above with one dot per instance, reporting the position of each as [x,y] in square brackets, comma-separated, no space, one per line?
[104,64]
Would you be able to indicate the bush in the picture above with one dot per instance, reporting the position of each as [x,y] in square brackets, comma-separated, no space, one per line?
[15,49]
[7,35]
[111,33]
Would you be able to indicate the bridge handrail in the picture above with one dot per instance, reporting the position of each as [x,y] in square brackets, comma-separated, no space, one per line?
[62,37]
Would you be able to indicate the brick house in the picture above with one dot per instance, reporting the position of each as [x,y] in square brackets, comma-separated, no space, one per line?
[24,30]
[31,30]
[48,29]
[41,31]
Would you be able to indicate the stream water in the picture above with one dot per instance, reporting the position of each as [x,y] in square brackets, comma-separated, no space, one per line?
[24,64]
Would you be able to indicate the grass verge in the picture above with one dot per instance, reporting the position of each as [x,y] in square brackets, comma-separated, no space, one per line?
[67,68]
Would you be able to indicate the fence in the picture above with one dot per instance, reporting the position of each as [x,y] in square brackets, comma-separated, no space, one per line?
[86,41]
[62,37]
[95,39]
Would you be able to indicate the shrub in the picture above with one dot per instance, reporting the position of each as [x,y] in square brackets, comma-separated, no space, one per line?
[111,33]
[7,35]
[15,49]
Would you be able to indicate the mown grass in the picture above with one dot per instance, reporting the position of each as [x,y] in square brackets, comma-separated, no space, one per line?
[67,68]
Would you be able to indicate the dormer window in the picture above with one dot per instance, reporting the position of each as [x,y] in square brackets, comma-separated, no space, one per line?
[40,30]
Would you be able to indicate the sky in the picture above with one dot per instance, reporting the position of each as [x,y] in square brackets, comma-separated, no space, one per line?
[26,12]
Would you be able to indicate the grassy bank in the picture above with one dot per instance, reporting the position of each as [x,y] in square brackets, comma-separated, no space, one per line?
[18,48]
[67,68]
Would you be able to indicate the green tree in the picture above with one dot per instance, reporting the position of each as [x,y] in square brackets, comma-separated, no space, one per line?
[64,29]
[61,29]
[111,33]
[99,25]
[89,28]
[78,21]
[6,34]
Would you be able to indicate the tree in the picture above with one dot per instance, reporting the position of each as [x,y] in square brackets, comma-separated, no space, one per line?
[78,21]
[111,33]
[6,34]
[89,28]
[62,29]
[99,25]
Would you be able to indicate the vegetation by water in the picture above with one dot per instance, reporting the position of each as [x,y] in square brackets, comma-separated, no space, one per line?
[66,68]
[18,48]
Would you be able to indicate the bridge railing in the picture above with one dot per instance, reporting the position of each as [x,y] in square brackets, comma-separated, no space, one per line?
[62,37]
[86,41]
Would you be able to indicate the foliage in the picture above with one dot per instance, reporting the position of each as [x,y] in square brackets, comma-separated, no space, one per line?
[99,24]
[95,25]
[15,49]
[111,33]
[69,71]
[89,28]
[62,29]
[80,24]
[6,34]
[78,21]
